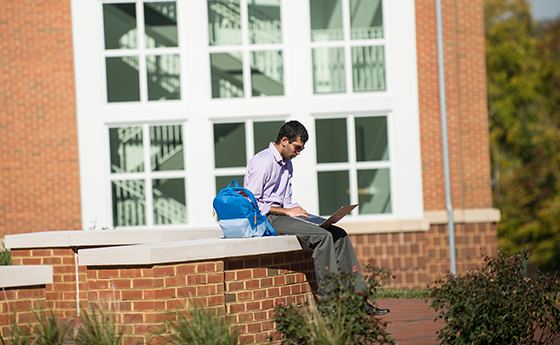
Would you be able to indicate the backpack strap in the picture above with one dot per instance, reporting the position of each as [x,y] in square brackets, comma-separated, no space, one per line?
[269,231]
[232,182]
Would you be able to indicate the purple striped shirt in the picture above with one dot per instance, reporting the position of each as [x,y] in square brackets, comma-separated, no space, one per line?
[269,177]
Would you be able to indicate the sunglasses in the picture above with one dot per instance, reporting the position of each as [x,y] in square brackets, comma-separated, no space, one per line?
[298,148]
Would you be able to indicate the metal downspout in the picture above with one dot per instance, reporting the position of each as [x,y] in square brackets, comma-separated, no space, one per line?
[444,139]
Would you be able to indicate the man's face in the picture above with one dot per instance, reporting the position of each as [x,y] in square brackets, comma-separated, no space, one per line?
[293,149]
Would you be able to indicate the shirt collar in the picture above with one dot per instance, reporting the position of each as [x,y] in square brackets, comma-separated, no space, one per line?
[276,154]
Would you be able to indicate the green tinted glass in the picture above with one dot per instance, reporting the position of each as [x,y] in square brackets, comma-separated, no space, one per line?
[265,133]
[164,81]
[267,73]
[166,148]
[371,139]
[170,206]
[127,149]
[334,191]
[331,140]
[119,24]
[229,145]
[326,20]
[224,22]
[223,181]
[374,191]
[129,203]
[368,68]
[123,81]
[328,70]
[227,75]
[160,20]
[366,19]
[264,21]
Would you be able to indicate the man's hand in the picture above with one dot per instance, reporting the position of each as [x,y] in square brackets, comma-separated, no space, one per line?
[292,212]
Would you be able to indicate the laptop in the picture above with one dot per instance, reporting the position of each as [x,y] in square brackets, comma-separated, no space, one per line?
[326,222]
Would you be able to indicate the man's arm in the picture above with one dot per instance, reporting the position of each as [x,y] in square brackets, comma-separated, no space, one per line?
[292,212]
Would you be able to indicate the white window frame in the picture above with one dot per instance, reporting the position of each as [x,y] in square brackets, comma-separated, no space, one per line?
[148,175]
[347,44]
[246,48]
[352,166]
[141,51]
[197,111]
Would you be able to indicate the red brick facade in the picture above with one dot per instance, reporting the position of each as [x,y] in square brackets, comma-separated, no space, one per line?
[143,298]
[39,172]
[467,113]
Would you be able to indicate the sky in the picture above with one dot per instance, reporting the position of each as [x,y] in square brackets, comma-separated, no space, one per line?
[545,9]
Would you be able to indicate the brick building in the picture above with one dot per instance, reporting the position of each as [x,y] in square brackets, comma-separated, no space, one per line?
[103,126]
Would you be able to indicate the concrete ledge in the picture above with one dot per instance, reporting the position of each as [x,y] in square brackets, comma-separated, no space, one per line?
[385,226]
[184,251]
[12,276]
[477,215]
[81,238]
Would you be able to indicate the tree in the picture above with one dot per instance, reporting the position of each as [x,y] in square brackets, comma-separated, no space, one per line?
[524,129]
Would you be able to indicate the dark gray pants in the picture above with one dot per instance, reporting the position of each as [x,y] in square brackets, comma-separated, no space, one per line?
[332,250]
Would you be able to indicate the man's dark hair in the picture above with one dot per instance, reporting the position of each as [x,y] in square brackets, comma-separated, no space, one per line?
[292,130]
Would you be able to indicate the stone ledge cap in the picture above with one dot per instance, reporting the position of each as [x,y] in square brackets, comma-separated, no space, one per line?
[80,238]
[184,251]
[13,276]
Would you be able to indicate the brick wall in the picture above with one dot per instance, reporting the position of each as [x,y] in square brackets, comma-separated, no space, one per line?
[39,173]
[142,298]
[467,115]
[418,258]
[61,294]
[16,305]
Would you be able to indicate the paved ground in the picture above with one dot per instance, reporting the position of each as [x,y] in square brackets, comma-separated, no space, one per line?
[411,321]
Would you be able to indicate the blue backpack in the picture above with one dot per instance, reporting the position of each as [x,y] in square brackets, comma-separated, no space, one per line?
[239,213]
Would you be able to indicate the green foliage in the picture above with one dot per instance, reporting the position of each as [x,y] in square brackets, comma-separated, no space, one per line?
[339,317]
[97,327]
[523,73]
[5,256]
[401,294]
[47,330]
[201,326]
[43,329]
[495,305]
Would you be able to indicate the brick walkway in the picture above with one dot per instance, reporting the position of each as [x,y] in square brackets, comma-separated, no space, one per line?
[411,321]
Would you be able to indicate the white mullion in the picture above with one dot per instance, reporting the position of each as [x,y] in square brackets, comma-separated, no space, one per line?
[332,167]
[127,176]
[229,171]
[148,180]
[244,14]
[347,52]
[353,173]
[249,139]
[141,52]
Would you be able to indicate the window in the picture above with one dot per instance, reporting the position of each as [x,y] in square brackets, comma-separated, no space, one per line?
[141,67]
[147,175]
[245,39]
[231,152]
[353,164]
[347,46]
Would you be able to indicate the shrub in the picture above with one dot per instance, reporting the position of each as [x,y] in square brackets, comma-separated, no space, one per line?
[97,327]
[5,256]
[495,305]
[201,326]
[42,329]
[339,317]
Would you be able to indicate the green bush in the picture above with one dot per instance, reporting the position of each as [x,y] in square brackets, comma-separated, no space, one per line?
[5,256]
[97,326]
[201,326]
[339,317]
[496,305]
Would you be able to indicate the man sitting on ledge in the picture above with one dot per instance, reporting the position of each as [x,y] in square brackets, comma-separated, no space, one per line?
[269,177]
